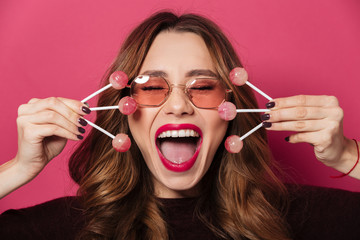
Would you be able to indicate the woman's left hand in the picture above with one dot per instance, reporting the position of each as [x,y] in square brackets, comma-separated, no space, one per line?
[317,120]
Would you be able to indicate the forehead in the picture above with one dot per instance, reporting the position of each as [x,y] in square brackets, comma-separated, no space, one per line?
[177,52]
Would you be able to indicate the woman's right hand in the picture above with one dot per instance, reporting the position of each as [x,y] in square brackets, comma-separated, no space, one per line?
[44,126]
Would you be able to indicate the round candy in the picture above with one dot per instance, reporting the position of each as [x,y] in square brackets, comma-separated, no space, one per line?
[233,144]
[227,111]
[121,142]
[127,105]
[118,80]
[238,76]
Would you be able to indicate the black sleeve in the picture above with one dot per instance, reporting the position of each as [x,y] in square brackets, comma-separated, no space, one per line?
[324,213]
[56,219]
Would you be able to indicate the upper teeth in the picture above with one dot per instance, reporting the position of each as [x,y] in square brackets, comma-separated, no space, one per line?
[179,133]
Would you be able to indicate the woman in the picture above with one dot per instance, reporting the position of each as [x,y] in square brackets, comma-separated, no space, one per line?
[154,190]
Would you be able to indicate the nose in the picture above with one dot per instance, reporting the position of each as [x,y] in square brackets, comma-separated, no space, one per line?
[178,103]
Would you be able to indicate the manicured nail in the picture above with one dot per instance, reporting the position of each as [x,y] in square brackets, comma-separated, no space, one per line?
[267,124]
[265,117]
[80,137]
[270,105]
[287,139]
[87,104]
[86,110]
[82,122]
[81,130]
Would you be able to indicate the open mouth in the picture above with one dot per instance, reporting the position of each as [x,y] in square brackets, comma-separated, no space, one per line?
[178,145]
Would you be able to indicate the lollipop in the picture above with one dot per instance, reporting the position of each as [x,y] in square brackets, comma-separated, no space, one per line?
[238,76]
[121,142]
[234,143]
[228,111]
[118,80]
[127,105]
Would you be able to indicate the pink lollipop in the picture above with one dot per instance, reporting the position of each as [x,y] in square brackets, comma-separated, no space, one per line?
[233,144]
[238,76]
[118,80]
[127,105]
[227,111]
[121,142]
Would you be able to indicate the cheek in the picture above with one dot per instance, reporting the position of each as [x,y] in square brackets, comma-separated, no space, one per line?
[216,130]
[216,126]
[218,134]
[140,125]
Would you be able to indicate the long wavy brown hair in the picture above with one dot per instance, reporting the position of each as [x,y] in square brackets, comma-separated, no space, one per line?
[245,198]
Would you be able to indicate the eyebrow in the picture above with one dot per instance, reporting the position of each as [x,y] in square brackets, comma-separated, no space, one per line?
[191,73]
[155,73]
[201,72]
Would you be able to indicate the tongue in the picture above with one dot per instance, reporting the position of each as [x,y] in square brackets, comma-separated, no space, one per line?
[178,150]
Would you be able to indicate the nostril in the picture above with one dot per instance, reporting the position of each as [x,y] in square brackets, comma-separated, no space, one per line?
[178,103]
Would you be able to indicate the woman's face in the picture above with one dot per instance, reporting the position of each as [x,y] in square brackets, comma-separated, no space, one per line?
[177,163]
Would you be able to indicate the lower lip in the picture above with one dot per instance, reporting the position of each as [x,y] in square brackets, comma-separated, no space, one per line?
[182,167]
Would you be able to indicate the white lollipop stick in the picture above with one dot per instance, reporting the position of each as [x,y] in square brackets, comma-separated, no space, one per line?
[259,91]
[251,131]
[100,129]
[228,111]
[96,93]
[250,110]
[104,108]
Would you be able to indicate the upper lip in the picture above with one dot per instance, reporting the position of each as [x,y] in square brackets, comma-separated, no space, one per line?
[168,127]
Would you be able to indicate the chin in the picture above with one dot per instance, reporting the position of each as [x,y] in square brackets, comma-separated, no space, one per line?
[180,184]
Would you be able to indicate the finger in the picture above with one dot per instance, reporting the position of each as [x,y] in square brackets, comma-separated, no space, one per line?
[321,140]
[304,113]
[76,105]
[304,137]
[300,126]
[37,132]
[51,117]
[305,100]
[69,110]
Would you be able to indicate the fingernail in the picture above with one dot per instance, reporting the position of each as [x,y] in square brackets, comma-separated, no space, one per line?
[287,139]
[82,122]
[267,124]
[81,130]
[270,105]
[87,104]
[86,110]
[265,117]
[80,137]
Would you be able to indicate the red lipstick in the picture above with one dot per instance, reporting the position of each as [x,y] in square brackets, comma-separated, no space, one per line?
[184,166]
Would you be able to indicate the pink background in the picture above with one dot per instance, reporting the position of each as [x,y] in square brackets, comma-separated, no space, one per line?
[62,48]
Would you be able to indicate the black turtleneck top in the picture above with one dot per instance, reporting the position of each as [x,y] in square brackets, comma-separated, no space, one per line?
[314,213]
